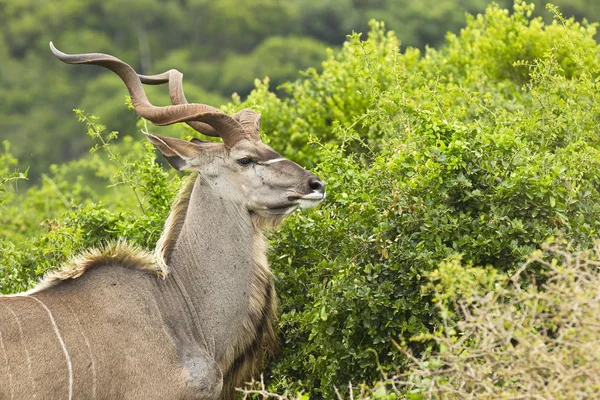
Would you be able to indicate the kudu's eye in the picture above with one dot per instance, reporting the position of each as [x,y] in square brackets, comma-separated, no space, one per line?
[245,161]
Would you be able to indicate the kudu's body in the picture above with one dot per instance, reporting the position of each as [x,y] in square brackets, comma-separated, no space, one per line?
[194,320]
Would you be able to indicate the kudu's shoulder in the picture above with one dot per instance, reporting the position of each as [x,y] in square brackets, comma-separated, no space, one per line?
[115,254]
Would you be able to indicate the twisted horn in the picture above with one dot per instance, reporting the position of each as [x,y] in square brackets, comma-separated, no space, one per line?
[228,128]
[175,80]
[247,117]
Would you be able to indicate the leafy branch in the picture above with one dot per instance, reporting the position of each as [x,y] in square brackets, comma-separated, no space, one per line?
[126,173]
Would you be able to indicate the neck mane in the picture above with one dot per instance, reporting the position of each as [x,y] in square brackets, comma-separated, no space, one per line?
[111,254]
[174,222]
[209,244]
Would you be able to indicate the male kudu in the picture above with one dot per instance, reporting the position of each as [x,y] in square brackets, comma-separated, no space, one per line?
[191,321]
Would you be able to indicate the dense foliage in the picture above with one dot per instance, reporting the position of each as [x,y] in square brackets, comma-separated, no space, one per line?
[484,148]
[222,46]
[502,336]
[504,340]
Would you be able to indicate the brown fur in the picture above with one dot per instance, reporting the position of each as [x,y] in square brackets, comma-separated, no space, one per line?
[245,358]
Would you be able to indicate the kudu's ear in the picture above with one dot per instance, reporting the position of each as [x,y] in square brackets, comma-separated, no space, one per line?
[178,153]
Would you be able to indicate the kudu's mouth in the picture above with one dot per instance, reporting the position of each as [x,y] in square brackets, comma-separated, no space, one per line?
[294,202]
[308,201]
[314,196]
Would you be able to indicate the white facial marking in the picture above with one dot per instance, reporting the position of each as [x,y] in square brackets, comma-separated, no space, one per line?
[291,210]
[62,344]
[306,203]
[276,160]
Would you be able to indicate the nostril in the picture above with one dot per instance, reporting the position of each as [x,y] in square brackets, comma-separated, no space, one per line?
[316,185]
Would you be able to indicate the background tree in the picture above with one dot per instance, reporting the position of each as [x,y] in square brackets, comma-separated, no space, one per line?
[220,46]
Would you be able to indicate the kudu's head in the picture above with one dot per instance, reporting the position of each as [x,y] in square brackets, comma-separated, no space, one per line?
[241,168]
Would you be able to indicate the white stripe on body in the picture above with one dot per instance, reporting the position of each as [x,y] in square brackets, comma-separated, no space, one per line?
[62,344]
[7,367]
[87,344]
[22,338]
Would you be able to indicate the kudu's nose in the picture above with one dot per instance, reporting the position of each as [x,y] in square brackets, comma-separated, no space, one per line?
[316,185]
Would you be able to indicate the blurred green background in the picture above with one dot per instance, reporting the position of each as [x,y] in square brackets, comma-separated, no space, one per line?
[220,46]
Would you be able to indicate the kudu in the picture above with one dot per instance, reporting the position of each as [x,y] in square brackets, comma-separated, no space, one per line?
[191,321]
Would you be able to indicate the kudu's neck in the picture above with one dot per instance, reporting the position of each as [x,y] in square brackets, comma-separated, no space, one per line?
[211,266]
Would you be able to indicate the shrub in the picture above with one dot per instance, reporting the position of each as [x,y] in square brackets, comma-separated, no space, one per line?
[500,338]
[8,176]
[507,340]
[426,157]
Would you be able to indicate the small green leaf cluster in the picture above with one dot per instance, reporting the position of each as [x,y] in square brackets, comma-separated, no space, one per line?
[8,174]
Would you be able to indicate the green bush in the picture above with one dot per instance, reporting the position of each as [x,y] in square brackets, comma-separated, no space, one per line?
[279,58]
[500,338]
[507,341]
[8,173]
[462,150]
